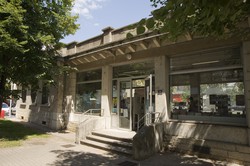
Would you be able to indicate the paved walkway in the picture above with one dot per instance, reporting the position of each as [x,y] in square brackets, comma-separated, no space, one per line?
[59,150]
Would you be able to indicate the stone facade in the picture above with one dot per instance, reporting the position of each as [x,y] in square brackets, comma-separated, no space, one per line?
[111,49]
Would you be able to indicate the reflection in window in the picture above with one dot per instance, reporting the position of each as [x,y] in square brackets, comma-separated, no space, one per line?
[217,93]
[208,86]
[180,98]
[88,96]
[114,97]
[223,99]
[135,69]
[88,90]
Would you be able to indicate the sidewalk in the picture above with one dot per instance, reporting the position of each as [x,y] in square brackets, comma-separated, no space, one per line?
[60,150]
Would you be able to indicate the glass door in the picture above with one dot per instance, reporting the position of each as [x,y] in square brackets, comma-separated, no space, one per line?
[149,98]
[125,104]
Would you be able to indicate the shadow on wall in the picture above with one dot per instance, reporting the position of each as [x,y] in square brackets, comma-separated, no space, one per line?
[148,141]
[202,138]
[53,116]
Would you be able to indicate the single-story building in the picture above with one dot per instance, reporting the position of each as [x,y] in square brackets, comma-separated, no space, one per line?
[196,89]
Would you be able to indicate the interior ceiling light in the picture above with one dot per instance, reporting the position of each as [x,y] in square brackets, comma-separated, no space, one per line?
[129,56]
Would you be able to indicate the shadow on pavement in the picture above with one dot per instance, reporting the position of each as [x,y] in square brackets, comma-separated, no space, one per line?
[73,158]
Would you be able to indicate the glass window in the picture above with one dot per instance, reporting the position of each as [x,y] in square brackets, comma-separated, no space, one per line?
[88,90]
[204,60]
[114,96]
[88,96]
[215,95]
[89,75]
[218,93]
[136,69]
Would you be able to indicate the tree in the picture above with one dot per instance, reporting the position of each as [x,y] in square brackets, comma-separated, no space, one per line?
[219,19]
[30,33]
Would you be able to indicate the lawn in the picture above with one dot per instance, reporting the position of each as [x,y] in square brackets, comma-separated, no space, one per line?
[13,133]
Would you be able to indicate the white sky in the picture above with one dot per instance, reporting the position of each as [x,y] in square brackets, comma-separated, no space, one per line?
[95,15]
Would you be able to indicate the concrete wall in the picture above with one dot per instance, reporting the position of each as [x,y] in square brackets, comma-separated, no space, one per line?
[246,60]
[148,141]
[49,114]
[161,87]
[213,141]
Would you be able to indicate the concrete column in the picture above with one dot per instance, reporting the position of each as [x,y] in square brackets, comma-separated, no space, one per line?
[28,97]
[161,87]
[246,60]
[70,95]
[107,35]
[56,104]
[106,100]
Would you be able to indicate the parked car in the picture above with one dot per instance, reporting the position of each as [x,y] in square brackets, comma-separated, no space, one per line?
[5,108]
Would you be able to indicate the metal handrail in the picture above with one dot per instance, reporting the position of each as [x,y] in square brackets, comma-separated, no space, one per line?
[148,119]
[90,112]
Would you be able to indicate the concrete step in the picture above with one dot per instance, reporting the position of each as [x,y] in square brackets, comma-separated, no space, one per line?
[107,147]
[116,136]
[110,141]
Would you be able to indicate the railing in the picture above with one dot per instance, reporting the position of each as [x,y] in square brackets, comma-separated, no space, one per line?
[95,112]
[148,119]
[98,112]
[87,123]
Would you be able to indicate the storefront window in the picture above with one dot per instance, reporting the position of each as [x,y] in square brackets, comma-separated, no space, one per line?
[88,91]
[114,97]
[133,70]
[208,95]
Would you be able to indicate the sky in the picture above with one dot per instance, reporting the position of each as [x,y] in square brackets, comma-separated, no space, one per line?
[95,15]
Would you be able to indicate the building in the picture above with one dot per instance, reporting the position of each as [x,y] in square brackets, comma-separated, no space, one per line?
[197,89]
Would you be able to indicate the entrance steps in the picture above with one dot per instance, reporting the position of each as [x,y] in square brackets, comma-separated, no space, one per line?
[111,140]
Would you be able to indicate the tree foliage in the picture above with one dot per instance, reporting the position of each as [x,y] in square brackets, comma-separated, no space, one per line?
[219,19]
[30,34]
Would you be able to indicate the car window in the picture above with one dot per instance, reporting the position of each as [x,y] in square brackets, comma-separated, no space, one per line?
[4,105]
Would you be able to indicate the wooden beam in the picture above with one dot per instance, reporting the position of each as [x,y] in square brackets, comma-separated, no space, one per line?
[132,48]
[121,51]
[72,61]
[102,55]
[94,57]
[144,45]
[79,61]
[87,60]
[111,52]
[157,42]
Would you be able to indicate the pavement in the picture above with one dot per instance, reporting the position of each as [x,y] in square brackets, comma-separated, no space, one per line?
[59,149]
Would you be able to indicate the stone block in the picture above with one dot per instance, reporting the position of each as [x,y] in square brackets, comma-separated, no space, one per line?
[239,156]
[221,145]
[243,149]
[219,152]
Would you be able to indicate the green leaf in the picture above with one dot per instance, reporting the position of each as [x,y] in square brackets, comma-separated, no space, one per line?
[140,30]
[129,35]
[150,23]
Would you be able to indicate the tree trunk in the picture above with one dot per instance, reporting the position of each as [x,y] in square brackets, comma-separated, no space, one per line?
[2,89]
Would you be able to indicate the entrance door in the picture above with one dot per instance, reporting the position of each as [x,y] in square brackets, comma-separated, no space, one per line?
[149,98]
[136,98]
[125,105]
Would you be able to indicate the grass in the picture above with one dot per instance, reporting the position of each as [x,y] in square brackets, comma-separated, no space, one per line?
[14,134]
